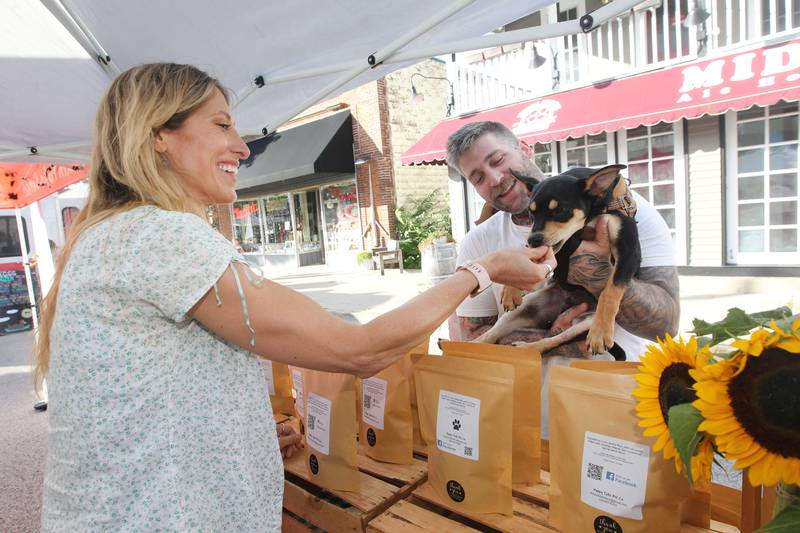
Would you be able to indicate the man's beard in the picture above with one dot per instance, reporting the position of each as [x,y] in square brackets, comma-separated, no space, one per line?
[529,169]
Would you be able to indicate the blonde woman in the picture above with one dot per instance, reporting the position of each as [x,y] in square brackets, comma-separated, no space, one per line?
[150,338]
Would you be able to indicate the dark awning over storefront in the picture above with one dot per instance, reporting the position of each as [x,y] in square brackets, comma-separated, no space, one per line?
[738,80]
[305,155]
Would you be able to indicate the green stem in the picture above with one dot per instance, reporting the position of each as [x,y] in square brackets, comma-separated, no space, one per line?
[788,494]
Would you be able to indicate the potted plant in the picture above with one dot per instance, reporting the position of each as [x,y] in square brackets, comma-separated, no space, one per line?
[365,260]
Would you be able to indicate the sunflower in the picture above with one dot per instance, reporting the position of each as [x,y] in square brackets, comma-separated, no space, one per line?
[664,381]
[751,404]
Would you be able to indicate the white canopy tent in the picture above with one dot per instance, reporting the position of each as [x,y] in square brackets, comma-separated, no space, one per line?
[57,56]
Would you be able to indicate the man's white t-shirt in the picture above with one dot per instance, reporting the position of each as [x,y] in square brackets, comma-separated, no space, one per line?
[500,232]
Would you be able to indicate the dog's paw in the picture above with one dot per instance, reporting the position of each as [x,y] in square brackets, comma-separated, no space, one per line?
[599,338]
[485,338]
[511,298]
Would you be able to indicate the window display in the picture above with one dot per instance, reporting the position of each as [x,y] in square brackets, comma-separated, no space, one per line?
[340,215]
[247,226]
[278,228]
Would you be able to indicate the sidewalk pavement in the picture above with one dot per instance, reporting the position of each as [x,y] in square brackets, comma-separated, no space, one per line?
[365,294]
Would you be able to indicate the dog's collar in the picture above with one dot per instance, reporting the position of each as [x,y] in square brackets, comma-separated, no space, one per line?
[625,204]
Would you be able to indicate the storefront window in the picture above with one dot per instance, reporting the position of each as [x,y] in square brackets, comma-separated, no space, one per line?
[340,215]
[651,168]
[543,157]
[767,200]
[655,171]
[306,214]
[587,151]
[247,226]
[278,229]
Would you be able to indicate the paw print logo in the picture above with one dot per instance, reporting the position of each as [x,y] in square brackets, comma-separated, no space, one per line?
[456,424]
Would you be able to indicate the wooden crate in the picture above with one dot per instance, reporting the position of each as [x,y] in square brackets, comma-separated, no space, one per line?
[381,486]
[406,517]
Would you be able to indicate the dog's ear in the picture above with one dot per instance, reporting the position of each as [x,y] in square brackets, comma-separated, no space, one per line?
[598,182]
[530,181]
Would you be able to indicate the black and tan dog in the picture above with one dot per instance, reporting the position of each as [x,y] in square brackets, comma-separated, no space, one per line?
[563,211]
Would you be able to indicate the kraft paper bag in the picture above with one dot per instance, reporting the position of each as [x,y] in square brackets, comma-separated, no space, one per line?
[526,445]
[465,411]
[279,383]
[416,354]
[329,402]
[604,475]
[385,427]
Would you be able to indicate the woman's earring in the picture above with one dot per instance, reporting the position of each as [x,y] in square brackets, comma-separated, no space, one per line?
[163,158]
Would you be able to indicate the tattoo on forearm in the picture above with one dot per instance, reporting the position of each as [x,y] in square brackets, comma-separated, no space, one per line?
[650,307]
[589,271]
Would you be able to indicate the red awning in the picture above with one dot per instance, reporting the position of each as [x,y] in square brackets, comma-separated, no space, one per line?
[24,183]
[753,76]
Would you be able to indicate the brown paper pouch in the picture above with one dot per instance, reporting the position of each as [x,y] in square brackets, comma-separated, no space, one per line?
[416,354]
[526,446]
[465,411]
[385,428]
[604,475]
[297,389]
[696,509]
[279,383]
[330,423]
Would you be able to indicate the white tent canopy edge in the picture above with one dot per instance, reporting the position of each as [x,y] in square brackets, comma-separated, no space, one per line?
[295,83]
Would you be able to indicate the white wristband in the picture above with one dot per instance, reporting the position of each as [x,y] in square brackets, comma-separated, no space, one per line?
[480,273]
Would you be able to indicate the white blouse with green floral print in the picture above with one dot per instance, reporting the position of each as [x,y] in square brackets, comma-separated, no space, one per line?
[156,424]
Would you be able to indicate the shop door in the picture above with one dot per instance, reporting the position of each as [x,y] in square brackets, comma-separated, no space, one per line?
[308,228]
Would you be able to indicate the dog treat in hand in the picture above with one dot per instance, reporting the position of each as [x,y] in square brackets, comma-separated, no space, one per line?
[330,424]
[465,411]
[526,445]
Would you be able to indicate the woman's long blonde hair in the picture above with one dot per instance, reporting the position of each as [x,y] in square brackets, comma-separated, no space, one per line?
[126,171]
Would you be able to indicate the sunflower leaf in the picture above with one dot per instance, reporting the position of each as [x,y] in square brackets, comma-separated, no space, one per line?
[683,420]
[787,521]
[737,323]
[786,323]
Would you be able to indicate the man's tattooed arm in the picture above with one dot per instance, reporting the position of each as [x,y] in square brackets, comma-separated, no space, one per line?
[650,306]
[467,328]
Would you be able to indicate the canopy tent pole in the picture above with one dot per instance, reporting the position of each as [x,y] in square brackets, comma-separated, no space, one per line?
[371,61]
[41,242]
[75,26]
[27,266]
[599,16]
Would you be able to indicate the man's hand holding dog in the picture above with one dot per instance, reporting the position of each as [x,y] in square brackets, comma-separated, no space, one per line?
[590,265]
[650,304]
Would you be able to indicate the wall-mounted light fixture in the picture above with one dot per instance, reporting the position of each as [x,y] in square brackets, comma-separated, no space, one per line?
[538,60]
[697,17]
[417,96]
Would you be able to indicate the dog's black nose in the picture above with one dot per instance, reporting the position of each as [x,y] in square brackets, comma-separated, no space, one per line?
[535,240]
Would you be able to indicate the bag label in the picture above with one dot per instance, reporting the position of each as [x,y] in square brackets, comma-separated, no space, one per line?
[297,383]
[318,423]
[614,475]
[373,393]
[457,424]
[267,365]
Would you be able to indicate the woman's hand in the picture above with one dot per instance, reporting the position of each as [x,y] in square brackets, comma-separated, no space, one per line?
[288,440]
[523,268]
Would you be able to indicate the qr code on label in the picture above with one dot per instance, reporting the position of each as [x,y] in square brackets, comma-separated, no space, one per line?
[594,472]
[311,420]
[367,402]
[468,451]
